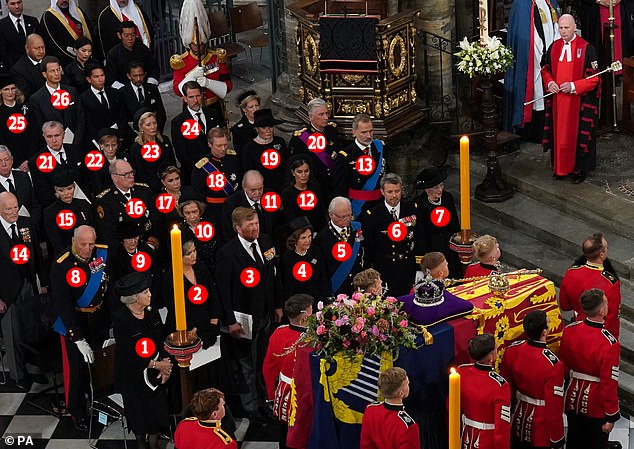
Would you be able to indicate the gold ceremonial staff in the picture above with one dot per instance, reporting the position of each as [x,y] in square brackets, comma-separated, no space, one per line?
[450,282]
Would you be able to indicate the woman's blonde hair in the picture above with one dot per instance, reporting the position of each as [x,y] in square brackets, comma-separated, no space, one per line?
[483,246]
[140,138]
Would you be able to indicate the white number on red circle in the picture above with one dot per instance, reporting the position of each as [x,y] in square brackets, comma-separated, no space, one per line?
[204,231]
[16,123]
[197,294]
[250,277]
[341,251]
[141,261]
[145,347]
[151,152]
[135,208]
[46,162]
[20,254]
[440,216]
[94,160]
[317,142]
[60,99]
[165,203]
[75,277]
[216,181]
[271,201]
[66,219]
[364,165]
[190,129]
[397,231]
[302,271]
[306,200]
[270,159]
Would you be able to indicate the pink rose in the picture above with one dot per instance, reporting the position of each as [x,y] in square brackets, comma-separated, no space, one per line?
[357,296]
[356,328]
[364,334]
[375,331]
[390,299]
[370,311]
[346,343]
[403,323]
[341,297]
[321,329]
[360,321]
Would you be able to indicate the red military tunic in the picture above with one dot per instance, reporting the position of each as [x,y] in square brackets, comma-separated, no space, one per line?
[185,63]
[591,353]
[278,366]
[480,269]
[486,408]
[537,377]
[193,433]
[387,426]
[578,279]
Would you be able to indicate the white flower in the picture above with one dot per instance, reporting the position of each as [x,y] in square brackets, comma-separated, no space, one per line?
[464,44]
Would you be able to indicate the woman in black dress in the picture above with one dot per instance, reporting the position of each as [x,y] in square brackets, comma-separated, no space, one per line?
[23,144]
[314,206]
[75,71]
[297,279]
[150,162]
[243,131]
[191,210]
[272,164]
[141,378]
[109,146]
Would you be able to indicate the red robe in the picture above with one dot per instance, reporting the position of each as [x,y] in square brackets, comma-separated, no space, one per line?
[570,118]
[387,426]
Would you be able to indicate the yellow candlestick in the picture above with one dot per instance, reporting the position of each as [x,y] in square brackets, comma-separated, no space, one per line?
[454,409]
[465,187]
[177,272]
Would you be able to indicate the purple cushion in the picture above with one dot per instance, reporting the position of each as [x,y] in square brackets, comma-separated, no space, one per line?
[451,307]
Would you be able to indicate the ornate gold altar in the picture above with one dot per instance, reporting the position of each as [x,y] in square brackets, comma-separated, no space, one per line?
[388,95]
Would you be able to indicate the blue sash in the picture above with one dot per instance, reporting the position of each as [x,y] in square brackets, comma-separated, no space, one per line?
[345,267]
[89,293]
[370,184]
[210,168]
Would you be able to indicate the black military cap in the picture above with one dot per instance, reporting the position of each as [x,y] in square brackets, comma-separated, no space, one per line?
[133,283]
[430,177]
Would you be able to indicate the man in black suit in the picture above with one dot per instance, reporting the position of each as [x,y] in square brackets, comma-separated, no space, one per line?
[389,248]
[128,50]
[100,106]
[341,228]
[19,284]
[27,73]
[42,104]
[189,151]
[138,94]
[247,283]
[13,32]
[19,183]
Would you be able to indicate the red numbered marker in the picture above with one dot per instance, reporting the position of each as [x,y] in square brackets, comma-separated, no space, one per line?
[397,231]
[46,162]
[60,99]
[302,271]
[216,181]
[341,251]
[190,129]
[151,152]
[364,165]
[145,348]
[94,160]
[250,277]
[440,216]
[20,254]
[306,200]
[165,203]
[75,277]
[317,142]
[141,261]
[271,201]
[66,219]
[16,123]
[135,208]
[270,159]
[197,294]
[205,231]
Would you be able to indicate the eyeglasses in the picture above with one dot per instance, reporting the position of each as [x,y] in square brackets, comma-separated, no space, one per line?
[126,175]
[342,217]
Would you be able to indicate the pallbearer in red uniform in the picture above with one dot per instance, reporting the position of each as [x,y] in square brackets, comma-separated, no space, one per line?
[537,378]
[485,397]
[386,425]
[279,361]
[212,73]
[572,111]
[594,272]
[591,353]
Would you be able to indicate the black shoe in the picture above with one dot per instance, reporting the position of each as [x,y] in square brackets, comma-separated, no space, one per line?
[557,177]
[614,445]
[578,178]
[81,424]
[257,419]
[39,379]
[24,385]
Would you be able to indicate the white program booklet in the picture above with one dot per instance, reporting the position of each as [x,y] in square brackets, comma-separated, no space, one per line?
[205,356]
[246,321]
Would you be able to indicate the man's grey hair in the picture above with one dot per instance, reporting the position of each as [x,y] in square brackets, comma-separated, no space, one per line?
[82,228]
[52,124]
[5,149]
[250,173]
[391,178]
[314,104]
[360,118]
[335,201]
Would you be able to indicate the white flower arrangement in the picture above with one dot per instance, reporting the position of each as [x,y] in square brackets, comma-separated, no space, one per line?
[483,60]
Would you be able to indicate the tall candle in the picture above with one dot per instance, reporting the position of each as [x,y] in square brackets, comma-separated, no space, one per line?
[483,11]
[454,409]
[177,272]
[465,187]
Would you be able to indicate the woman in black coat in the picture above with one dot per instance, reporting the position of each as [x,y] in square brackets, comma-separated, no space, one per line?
[243,131]
[75,71]
[302,182]
[22,144]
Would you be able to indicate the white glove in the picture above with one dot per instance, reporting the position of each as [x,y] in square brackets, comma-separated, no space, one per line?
[217,87]
[153,81]
[197,72]
[85,350]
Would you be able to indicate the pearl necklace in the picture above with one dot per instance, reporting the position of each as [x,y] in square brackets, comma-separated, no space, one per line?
[435,203]
[301,254]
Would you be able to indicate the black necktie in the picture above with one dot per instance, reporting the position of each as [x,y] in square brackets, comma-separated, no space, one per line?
[14,234]
[256,254]
[62,158]
[366,151]
[141,96]
[201,123]
[21,32]
[104,100]
[127,196]
[11,186]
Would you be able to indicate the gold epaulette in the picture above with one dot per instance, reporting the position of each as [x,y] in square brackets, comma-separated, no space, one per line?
[104,192]
[63,257]
[191,418]
[142,184]
[333,124]
[231,152]
[176,61]
[101,245]
[202,162]
[221,55]
[224,436]
[299,132]
[343,153]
